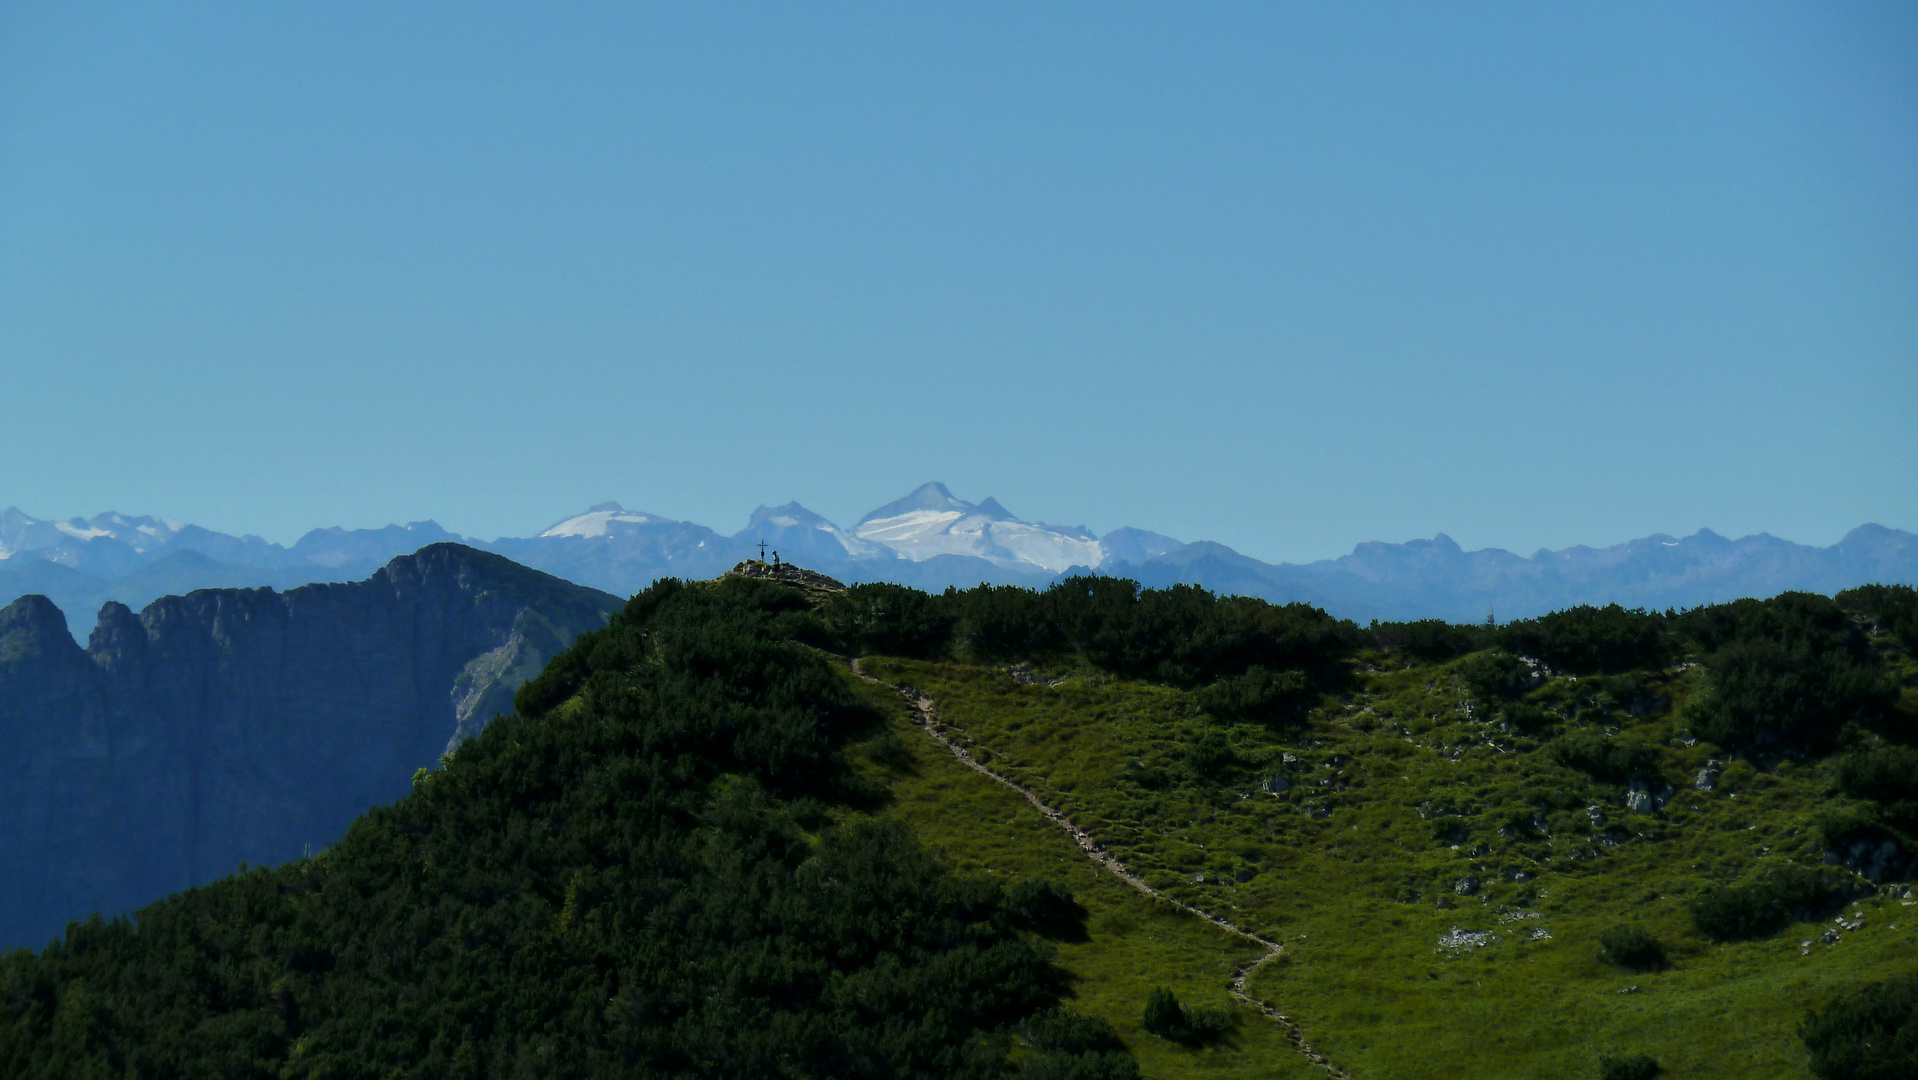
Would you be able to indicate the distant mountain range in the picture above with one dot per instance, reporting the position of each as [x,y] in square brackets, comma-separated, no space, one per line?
[932,539]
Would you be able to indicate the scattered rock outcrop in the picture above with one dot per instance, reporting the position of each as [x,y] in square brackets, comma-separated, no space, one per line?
[810,580]
[1457,940]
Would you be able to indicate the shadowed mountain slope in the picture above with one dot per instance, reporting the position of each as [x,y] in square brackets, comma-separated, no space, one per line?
[246,725]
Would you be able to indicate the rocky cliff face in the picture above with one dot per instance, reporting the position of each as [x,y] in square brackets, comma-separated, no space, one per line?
[246,725]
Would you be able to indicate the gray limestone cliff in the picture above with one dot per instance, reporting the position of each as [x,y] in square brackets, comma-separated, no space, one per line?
[246,725]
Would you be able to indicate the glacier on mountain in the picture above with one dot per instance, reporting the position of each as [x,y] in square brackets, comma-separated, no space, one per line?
[932,522]
[602,520]
[802,534]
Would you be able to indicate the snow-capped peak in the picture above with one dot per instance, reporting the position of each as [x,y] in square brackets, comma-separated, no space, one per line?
[602,520]
[20,534]
[80,530]
[931,522]
[802,533]
[932,497]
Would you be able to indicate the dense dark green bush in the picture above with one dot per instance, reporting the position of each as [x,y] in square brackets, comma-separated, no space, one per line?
[1041,906]
[1210,756]
[890,752]
[644,882]
[1627,1067]
[1893,607]
[1527,717]
[1868,1034]
[1493,675]
[1263,657]
[1259,694]
[1791,616]
[1067,1046]
[1630,692]
[1766,695]
[1150,777]
[1784,673]
[1168,1019]
[1613,759]
[1431,640]
[1886,774]
[1631,948]
[1784,895]
[1838,826]
[1163,1016]
[1588,640]
[1186,636]
[890,620]
[1004,622]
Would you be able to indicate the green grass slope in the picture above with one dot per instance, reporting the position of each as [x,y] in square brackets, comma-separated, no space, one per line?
[1406,818]
[1134,945]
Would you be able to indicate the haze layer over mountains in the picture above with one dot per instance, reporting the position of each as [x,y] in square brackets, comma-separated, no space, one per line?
[932,539]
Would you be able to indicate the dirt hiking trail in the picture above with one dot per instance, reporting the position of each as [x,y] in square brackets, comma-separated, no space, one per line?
[926,715]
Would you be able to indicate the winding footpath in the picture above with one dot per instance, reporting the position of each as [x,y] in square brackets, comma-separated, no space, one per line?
[926,715]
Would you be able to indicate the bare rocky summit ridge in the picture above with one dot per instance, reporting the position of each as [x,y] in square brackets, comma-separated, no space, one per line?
[810,580]
[246,725]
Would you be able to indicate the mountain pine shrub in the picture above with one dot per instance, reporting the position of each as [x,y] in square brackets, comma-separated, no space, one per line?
[1587,640]
[1167,1018]
[1785,674]
[1432,641]
[1068,1046]
[1784,895]
[1892,607]
[1613,759]
[1627,1067]
[1631,948]
[1869,1034]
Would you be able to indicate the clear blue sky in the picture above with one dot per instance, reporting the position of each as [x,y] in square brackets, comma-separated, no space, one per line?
[1286,276]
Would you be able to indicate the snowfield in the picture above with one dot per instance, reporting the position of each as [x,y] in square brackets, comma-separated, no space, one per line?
[600,523]
[984,531]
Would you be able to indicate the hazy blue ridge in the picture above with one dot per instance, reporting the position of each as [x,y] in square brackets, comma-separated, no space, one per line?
[246,725]
[1437,579]
[81,564]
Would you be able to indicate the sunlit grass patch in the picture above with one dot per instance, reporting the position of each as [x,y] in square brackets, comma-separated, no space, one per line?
[1401,816]
[1136,945]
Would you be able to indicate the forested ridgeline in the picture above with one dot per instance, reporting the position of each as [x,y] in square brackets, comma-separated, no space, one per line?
[1788,675]
[654,867]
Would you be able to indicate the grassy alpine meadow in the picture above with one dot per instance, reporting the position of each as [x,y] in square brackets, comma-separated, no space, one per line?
[1134,944]
[1441,881]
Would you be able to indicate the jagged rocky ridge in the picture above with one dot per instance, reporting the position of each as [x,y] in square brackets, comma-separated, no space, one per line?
[246,725]
[931,539]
